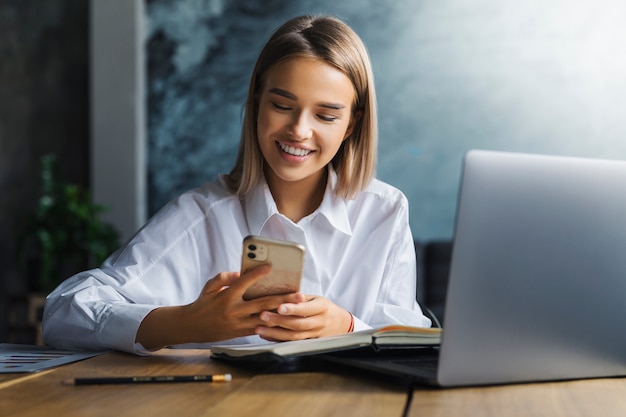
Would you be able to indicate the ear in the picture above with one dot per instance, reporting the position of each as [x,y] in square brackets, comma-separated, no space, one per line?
[356,118]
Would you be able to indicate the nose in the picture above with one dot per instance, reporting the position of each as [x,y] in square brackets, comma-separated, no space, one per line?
[300,127]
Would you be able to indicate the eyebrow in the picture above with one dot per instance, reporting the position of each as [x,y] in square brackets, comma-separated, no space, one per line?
[288,95]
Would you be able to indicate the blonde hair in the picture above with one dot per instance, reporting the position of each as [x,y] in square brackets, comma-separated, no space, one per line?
[335,43]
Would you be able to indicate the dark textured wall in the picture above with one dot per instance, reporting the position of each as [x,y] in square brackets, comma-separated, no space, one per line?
[538,75]
[43,108]
[545,76]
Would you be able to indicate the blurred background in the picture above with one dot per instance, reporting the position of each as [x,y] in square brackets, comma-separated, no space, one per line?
[140,100]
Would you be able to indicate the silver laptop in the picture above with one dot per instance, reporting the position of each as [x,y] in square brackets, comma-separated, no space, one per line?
[537,286]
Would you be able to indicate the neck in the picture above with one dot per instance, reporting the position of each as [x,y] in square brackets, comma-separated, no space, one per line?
[297,199]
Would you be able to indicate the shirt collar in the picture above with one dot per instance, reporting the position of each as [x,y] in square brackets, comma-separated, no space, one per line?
[333,208]
[260,206]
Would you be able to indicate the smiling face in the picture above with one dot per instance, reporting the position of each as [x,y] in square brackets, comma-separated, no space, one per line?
[305,113]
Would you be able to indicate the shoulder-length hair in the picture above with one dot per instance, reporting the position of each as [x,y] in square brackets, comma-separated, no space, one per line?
[335,43]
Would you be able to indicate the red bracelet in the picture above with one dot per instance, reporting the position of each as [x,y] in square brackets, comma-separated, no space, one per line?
[351,329]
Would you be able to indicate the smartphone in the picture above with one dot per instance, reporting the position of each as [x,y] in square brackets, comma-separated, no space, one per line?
[286,259]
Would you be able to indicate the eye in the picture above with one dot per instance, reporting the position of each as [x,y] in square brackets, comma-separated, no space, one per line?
[327,118]
[280,106]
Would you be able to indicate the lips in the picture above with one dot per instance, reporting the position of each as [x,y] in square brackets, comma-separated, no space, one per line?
[294,151]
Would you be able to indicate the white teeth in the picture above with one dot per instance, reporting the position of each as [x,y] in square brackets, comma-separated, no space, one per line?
[294,151]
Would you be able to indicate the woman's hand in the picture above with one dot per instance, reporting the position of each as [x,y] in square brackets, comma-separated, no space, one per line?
[315,317]
[219,313]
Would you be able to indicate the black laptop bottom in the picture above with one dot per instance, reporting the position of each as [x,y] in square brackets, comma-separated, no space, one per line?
[419,365]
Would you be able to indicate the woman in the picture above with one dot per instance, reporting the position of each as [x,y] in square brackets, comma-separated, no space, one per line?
[304,173]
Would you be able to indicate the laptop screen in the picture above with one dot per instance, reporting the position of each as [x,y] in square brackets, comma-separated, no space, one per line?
[538,273]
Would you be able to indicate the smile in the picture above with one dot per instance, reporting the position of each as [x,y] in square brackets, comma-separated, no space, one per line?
[294,151]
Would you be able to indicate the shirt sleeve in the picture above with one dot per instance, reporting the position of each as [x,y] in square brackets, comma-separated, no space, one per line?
[102,308]
[86,312]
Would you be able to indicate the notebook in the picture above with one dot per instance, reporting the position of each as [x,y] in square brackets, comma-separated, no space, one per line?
[537,286]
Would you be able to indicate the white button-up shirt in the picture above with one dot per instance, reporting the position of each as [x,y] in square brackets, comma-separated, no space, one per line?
[359,254]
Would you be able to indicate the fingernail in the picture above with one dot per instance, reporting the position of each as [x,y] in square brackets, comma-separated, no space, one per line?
[282,310]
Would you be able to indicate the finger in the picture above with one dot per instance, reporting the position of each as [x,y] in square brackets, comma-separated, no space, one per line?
[221,280]
[303,309]
[282,334]
[269,303]
[273,302]
[295,323]
[248,278]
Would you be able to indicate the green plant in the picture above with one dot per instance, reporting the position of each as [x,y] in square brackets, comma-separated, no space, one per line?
[65,234]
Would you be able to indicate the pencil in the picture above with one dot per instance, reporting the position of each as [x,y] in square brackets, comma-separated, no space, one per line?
[148,379]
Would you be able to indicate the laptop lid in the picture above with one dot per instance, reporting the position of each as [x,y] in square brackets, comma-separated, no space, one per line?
[538,276]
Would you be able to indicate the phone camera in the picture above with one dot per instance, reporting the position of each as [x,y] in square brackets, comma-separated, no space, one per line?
[255,251]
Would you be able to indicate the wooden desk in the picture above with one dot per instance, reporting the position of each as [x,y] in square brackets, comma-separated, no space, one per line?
[584,398]
[249,394]
[252,393]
